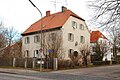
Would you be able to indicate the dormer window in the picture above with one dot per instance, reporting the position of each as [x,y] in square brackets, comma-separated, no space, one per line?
[74,25]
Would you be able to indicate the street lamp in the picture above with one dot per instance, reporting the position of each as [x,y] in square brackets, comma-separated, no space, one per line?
[40,32]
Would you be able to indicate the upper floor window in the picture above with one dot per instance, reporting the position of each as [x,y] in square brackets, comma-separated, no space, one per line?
[36,38]
[36,52]
[82,39]
[74,24]
[70,37]
[52,37]
[81,26]
[26,53]
[27,40]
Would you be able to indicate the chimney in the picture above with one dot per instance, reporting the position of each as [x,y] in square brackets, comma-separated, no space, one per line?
[47,13]
[64,8]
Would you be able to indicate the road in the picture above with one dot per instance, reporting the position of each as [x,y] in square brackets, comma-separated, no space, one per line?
[96,73]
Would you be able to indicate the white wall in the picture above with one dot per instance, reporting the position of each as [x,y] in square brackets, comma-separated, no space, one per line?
[67,28]
[30,46]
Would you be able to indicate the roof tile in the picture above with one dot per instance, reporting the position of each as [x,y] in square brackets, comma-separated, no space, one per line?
[49,22]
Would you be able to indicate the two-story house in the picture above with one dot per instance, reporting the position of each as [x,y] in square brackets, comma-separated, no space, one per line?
[71,30]
[99,43]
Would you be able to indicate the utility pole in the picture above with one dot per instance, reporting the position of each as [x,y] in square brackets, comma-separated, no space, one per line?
[40,33]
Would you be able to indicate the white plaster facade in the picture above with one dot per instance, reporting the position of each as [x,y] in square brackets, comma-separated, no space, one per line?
[65,30]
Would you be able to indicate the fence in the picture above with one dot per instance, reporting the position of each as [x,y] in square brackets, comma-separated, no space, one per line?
[26,62]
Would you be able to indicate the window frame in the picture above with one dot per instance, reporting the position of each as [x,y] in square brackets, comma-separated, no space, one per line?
[26,53]
[36,53]
[74,25]
[27,40]
[81,27]
[70,37]
[82,39]
[70,52]
[36,39]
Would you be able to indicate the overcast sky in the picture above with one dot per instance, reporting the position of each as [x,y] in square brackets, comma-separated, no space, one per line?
[21,14]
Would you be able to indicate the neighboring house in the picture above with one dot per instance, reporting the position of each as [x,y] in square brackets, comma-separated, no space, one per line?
[97,38]
[73,31]
[12,51]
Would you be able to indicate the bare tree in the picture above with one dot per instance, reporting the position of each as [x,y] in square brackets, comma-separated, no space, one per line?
[107,16]
[53,44]
[106,13]
[114,35]
[10,35]
[85,52]
[2,37]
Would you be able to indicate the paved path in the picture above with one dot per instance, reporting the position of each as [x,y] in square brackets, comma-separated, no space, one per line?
[110,72]
[96,73]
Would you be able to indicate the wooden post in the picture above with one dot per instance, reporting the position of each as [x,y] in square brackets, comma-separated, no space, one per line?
[33,62]
[55,64]
[25,65]
[14,61]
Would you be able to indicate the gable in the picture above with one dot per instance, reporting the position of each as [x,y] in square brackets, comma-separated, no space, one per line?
[50,22]
[95,35]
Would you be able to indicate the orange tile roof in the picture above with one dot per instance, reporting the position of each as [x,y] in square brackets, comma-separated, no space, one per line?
[95,35]
[50,22]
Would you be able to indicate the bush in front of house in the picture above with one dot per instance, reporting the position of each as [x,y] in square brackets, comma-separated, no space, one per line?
[65,64]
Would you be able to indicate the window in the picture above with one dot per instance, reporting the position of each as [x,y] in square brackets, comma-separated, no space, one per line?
[26,54]
[53,36]
[36,39]
[74,25]
[82,39]
[70,37]
[36,52]
[101,42]
[70,51]
[94,49]
[27,40]
[81,26]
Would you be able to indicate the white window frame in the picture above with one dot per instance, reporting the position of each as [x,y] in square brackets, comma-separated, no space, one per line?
[81,27]
[82,39]
[26,53]
[36,53]
[70,51]
[70,37]
[27,40]
[36,38]
[74,25]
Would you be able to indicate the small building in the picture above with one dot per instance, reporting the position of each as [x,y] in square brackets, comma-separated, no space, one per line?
[62,32]
[97,39]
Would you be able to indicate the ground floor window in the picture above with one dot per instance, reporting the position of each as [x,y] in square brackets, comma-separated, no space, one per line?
[70,51]
[26,53]
[36,53]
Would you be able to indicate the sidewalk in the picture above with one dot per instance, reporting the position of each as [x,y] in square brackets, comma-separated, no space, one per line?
[16,71]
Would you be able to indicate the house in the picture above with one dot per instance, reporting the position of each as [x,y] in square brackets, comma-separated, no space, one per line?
[11,51]
[97,39]
[64,30]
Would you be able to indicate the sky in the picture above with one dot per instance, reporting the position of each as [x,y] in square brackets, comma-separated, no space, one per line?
[20,14]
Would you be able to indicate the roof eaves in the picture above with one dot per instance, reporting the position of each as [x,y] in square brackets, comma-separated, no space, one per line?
[29,33]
